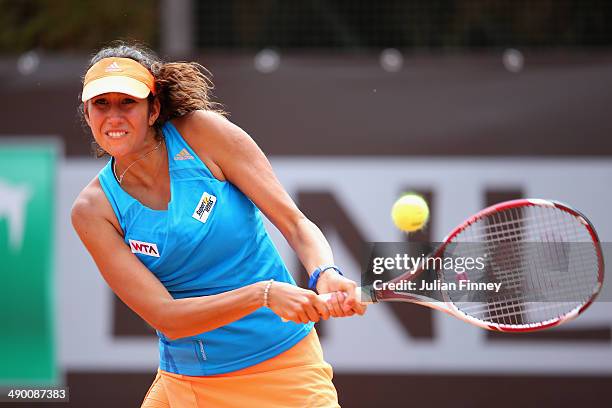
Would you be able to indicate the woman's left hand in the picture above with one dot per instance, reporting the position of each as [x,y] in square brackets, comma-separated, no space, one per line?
[343,301]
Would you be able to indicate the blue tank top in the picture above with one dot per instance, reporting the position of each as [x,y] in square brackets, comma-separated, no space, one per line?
[210,240]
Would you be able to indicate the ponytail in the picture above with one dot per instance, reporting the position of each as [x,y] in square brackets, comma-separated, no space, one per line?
[183,87]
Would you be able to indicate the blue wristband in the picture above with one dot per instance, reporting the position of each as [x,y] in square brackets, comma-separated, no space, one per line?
[314,278]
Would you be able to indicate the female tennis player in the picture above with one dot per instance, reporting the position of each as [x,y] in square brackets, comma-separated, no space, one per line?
[173,223]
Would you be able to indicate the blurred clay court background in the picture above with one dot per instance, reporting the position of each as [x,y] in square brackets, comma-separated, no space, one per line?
[468,102]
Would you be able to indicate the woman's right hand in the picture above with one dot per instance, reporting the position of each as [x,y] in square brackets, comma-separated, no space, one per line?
[293,303]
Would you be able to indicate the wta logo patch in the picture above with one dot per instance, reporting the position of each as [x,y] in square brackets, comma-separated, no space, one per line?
[204,207]
[145,248]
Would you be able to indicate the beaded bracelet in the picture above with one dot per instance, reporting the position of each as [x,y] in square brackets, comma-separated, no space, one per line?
[267,293]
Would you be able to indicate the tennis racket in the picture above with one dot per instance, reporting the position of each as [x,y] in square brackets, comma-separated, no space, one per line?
[545,255]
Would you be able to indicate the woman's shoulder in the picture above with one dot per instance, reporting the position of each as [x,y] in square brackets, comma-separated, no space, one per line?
[209,134]
[91,205]
[201,122]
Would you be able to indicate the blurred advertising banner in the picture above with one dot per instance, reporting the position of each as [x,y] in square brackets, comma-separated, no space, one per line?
[27,209]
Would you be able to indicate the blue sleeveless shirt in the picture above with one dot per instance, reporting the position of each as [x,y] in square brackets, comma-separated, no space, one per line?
[210,240]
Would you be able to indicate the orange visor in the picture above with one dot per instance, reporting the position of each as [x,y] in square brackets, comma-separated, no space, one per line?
[123,75]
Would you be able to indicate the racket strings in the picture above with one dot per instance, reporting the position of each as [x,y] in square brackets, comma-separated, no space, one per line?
[509,267]
[544,258]
[521,307]
[539,285]
[509,230]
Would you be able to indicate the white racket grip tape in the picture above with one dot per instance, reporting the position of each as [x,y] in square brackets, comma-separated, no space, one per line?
[359,295]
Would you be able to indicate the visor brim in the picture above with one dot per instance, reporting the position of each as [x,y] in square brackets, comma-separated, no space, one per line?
[120,84]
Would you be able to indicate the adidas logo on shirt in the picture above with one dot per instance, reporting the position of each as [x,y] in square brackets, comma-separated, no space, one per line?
[183,155]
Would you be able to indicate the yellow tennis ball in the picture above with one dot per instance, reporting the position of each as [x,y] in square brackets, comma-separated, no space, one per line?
[410,213]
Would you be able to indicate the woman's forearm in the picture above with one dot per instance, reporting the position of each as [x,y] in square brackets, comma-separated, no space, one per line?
[310,245]
[191,316]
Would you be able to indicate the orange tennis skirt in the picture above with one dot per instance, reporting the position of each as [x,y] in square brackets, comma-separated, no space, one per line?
[298,377]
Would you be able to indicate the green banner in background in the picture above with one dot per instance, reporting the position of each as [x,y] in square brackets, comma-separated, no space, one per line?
[27,212]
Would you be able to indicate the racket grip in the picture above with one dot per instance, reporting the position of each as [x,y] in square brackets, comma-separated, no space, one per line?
[326,296]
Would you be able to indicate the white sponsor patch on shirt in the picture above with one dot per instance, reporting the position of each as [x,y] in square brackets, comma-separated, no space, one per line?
[145,248]
[204,207]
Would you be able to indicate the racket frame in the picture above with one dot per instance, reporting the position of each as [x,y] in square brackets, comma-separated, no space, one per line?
[447,306]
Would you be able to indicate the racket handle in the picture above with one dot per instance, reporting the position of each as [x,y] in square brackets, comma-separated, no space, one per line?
[326,296]
[363,296]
